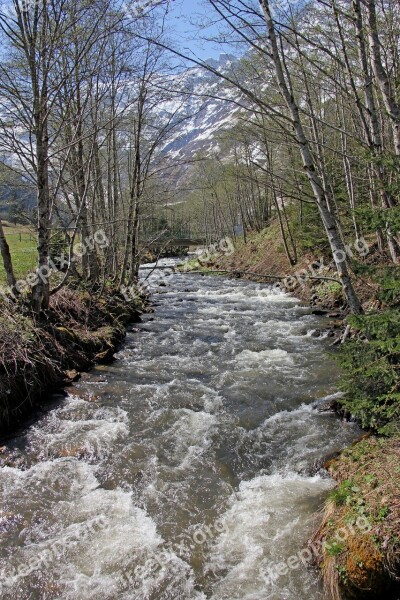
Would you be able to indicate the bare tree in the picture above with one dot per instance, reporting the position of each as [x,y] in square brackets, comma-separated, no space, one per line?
[6,256]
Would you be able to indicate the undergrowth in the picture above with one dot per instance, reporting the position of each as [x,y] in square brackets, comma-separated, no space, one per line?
[371,362]
[77,331]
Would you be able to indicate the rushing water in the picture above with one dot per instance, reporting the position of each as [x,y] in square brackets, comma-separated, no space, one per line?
[192,473]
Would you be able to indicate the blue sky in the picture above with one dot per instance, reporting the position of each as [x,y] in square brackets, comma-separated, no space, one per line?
[183,15]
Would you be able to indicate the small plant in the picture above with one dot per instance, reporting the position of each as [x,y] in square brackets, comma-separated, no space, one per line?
[330,288]
[383,513]
[342,573]
[360,504]
[334,548]
[343,493]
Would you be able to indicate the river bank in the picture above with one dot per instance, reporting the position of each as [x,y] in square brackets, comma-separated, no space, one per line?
[362,565]
[263,253]
[37,357]
[359,536]
[201,478]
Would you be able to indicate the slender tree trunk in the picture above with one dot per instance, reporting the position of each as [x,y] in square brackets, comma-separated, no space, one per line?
[335,242]
[391,105]
[135,196]
[292,241]
[37,54]
[135,262]
[41,290]
[7,261]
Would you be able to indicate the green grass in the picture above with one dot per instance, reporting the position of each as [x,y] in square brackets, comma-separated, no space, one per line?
[23,248]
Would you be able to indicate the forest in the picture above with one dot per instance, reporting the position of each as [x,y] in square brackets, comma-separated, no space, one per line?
[316,132]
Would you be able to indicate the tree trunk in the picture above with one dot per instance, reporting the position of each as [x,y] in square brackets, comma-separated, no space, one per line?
[39,78]
[335,242]
[41,290]
[7,261]
[391,105]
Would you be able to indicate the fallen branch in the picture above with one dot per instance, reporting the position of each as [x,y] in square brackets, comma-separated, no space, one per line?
[263,276]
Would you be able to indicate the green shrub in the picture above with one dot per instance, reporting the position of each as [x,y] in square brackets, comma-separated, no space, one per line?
[371,366]
[329,289]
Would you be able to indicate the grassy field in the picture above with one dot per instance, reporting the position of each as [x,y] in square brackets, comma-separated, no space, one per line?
[23,250]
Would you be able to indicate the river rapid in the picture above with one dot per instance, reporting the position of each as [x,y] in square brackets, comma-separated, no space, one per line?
[193,472]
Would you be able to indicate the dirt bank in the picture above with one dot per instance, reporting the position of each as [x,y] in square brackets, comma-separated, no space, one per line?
[79,330]
[359,536]
[263,253]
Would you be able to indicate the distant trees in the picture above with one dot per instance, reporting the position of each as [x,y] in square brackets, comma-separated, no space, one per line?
[317,132]
[145,128]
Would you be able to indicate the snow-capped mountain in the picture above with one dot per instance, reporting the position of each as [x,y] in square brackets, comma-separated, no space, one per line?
[203,109]
[194,107]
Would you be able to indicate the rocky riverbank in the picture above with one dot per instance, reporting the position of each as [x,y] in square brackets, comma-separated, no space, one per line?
[80,329]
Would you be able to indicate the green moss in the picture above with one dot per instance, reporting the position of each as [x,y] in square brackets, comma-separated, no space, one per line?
[334,548]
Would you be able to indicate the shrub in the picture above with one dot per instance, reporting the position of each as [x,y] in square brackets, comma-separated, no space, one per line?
[371,364]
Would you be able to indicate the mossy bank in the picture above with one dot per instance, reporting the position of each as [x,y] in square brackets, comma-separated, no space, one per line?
[359,537]
[38,356]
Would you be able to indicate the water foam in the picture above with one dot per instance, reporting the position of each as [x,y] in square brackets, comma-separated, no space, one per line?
[264,358]
[266,522]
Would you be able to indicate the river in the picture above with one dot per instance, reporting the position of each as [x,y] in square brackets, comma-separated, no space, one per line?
[192,473]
